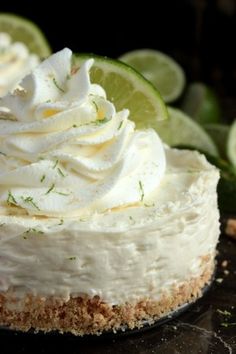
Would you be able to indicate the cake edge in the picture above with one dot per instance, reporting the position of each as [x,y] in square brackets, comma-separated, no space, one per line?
[83,315]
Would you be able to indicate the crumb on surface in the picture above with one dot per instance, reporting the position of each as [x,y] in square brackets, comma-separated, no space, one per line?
[224,263]
[230,229]
[219,280]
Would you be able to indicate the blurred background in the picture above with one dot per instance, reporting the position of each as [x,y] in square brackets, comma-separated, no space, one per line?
[199,34]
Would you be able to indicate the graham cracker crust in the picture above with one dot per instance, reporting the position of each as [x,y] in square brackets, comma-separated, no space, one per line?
[84,315]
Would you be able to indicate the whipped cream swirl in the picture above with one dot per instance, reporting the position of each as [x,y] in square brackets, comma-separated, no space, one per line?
[15,63]
[65,151]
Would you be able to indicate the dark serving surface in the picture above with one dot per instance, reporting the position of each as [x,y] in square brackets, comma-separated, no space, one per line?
[207,327]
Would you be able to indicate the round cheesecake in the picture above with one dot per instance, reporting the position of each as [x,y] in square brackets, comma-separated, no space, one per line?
[101,226]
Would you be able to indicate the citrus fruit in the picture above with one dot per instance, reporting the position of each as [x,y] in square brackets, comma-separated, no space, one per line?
[126,88]
[164,73]
[22,30]
[181,130]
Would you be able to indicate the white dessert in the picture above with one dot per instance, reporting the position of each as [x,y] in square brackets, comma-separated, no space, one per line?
[15,63]
[92,208]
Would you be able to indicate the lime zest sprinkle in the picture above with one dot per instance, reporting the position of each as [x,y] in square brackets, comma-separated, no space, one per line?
[60,172]
[57,86]
[2,224]
[61,193]
[68,77]
[94,122]
[42,178]
[102,121]
[61,222]
[3,153]
[132,219]
[96,106]
[11,199]
[120,125]
[228,324]
[32,229]
[50,189]
[30,201]
[141,190]
[149,205]
[55,164]
[73,258]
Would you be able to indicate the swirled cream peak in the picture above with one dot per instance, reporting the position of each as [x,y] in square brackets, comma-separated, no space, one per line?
[15,63]
[65,151]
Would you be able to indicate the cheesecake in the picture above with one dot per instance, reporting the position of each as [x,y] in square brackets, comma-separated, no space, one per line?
[102,226]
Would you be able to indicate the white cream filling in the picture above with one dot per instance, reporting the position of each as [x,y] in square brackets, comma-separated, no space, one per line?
[124,254]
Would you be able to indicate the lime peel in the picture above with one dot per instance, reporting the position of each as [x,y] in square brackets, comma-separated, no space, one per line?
[163,71]
[180,129]
[23,30]
[126,88]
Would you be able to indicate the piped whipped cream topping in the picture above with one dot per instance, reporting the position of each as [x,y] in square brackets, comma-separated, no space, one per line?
[15,63]
[65,151]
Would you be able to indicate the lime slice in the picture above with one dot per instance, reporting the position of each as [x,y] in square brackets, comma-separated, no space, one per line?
[231,144]
[219,134]
[165,74]
[126,88]
[201,103]
[181,130]
[23,30]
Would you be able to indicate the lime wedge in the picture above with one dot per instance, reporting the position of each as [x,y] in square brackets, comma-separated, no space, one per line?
[219,134]
[181,130]
[164,73]
[231,144]
[23,30]
[201,103]
[126,88]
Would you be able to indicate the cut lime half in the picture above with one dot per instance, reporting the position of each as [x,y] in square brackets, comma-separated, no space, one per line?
[22,30]
[164,73]
[181,130]
[126,88]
